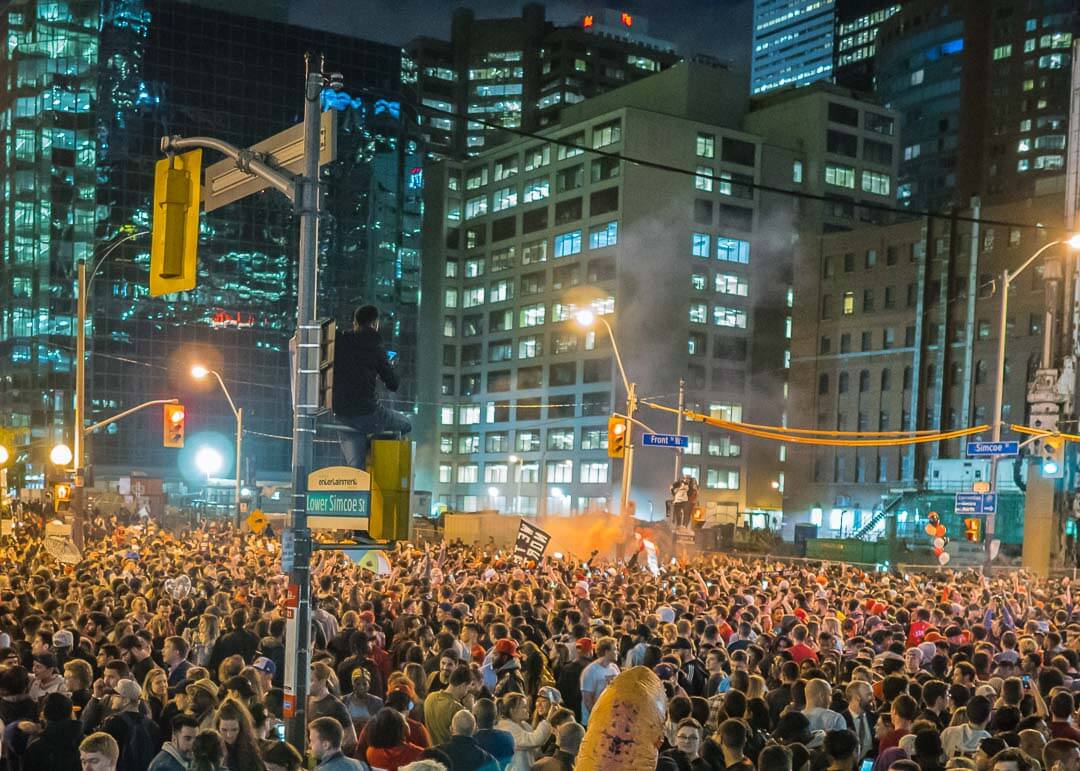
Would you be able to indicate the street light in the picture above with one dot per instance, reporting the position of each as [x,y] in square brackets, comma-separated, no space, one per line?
[1007,277]
[4,457]
[199,372]
[586,319]
[61,455]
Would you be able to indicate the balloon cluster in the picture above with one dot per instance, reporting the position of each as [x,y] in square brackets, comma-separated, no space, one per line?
[936,531]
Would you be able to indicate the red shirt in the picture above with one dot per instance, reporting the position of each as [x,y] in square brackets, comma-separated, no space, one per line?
[892,739]
[393,757]
[800,652]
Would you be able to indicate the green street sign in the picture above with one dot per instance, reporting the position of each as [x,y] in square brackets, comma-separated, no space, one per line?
[356,504]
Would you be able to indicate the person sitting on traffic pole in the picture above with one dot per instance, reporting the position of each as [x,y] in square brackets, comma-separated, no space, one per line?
[360,361]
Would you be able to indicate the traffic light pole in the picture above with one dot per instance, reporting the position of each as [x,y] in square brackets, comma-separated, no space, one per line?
[303,194]
[306,406]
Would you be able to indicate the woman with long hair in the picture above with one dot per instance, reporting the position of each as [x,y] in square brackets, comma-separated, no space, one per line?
[388,746]
[514,718]
[233,722]
[201,639]
[155,692]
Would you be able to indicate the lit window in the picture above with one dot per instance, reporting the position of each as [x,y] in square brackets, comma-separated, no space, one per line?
[698,313]
[468,414]
[841,176]
[724,316]
[450,298]
[604,235]
[446,473]
[1003,51]
[531,315]
[531,346]
[505,198]
[797,172]
[706,146]
[495,473]
[732,250]
[703,179]
[699,281]
[567,244]
[474,267]
[472,297]
[607,134]
[722,479]
[700,244]
[593,472]
[876,183]
[467,473]
[537,189]
[537,157]
[917,77]
[501,291]
[476,207]
[849,303]
[446,416]
[730,283]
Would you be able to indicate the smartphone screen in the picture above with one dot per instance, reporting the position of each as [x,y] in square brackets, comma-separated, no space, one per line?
[867,764]
[391,355]
[279,730]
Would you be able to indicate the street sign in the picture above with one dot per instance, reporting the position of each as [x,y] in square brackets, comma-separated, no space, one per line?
[288,550]
[224,183]
[992,449]
[665,440]
[976,503]
[256,521]
[339,498]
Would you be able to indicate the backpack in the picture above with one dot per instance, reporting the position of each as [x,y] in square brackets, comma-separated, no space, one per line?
[140,746]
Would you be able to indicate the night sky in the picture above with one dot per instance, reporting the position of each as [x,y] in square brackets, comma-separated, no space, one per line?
[720,28]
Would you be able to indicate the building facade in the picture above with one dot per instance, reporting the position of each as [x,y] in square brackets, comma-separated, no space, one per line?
[793,43]
[690,269]
[895,330]
[984,93]
[92,88]
[521,72]
[855,40]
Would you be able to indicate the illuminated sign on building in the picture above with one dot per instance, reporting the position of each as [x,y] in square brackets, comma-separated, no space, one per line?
[239,320]
[416,178]
[627,19]
[587,22]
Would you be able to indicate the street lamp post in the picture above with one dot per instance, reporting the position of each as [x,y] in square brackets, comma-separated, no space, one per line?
[586,319]
[1007,277]
[4,456]
[199,372]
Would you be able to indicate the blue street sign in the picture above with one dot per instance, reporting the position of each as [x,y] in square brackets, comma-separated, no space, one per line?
[665,440]
[990,449]
[976,503]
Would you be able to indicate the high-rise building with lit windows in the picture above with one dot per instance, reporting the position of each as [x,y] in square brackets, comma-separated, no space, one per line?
[855,40]
[690,266]
[793,43]
[91,86]
[520,72]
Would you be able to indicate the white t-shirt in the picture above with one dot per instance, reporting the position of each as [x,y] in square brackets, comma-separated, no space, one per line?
[594,679]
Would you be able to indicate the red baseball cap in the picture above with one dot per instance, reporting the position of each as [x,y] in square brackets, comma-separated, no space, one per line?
[506,646]
[585,645]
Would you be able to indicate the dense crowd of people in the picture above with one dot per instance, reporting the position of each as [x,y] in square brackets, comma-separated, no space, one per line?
[165,651]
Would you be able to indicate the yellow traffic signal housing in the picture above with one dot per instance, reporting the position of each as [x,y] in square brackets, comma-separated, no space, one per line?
[173,429]
[175,236]
[61,496]
[973,529]
[1053,457]
[616,437]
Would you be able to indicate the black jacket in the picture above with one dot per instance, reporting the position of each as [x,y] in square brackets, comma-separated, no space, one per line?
[56,748]
[359,362]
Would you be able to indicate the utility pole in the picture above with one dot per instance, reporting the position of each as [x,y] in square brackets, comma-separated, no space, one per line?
[79,442]
[678,427]
[628,459]
[306,405]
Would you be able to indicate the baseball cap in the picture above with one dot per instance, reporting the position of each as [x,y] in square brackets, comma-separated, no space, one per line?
[585,645]
[551,694]
[128,690]
[63,639]
[205,684]
[46,660]
[506,646]
[265,665]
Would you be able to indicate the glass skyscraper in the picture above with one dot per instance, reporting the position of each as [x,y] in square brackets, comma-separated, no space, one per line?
[793,43]
[92,85]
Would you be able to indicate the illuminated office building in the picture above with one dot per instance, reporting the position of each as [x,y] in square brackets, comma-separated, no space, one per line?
[855,40]
[793,43]
[691,270]
[521,72]
[91,87]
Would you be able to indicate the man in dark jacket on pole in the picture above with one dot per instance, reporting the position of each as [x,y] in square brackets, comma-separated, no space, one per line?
[360,361]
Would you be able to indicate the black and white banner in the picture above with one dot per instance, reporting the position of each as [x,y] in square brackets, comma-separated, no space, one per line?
[531,541]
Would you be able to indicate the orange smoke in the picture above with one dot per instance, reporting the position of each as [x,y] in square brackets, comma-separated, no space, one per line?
[581,535]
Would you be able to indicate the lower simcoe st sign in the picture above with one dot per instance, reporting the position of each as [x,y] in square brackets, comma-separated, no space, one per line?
[339,498]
